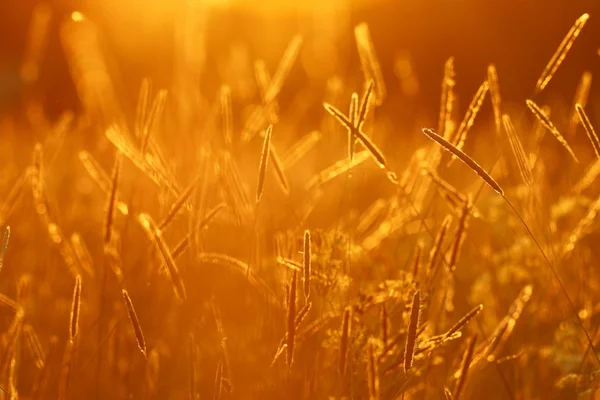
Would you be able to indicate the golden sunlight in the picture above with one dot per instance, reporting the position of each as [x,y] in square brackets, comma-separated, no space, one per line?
[237,199]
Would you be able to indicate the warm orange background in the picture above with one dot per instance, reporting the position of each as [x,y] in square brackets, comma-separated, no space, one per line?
[519,36]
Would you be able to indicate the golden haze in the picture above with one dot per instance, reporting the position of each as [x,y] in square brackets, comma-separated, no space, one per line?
[259,200]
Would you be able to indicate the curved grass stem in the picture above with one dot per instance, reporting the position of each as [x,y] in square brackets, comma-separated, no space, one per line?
[557,277]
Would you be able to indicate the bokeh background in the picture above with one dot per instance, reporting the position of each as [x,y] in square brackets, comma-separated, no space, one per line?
[139,37]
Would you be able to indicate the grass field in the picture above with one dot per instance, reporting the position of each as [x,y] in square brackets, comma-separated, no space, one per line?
[295,216]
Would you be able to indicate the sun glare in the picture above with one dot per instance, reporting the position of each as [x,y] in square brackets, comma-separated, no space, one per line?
[77,16]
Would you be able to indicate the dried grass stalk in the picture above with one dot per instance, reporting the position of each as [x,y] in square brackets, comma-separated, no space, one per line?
[263,80]
[9,303]
[291,320]
[518,151]
[353,111]
[561,53]
[94,169]
[464,369]
[64,247]
[469,118]
[300,148]
[278,170]
[337,169]
[34,346]
[37,42]
[452,196]
[311,329]
[75,308]
[426,346]
[369,62]
[154,171]
[372,372]
[365,103]
[448,394]
[218,381]
[299,318]
[385,324]
[179,203]
[447,100]
[142,108]
[10,341]
[307,263]
[37,178]
[302,314]
[82,254]
[464,158]
[262,167]
[135,324]
[193,377]
[110,205]
[5,239]
[41,381]
[258,117]
[234,188]
[504,329]
[589,129]
[545,120]
[65,371]
[463,321]
[581,97]
[357,134]
[223,341]
[226,115]
[494,85]
[23,289]
[411,336]
[353,117]
[157,239]
[582,226]
[373,215]
[153,370]
[203,223]
[588,178]
[237,266]
[14,194]
[100,177]
[344,337]
[499,335]
[417,261]
[460,235]
[291,264]
[285,66]
[156,111]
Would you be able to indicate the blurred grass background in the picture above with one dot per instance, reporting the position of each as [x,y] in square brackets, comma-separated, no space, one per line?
[519,36]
